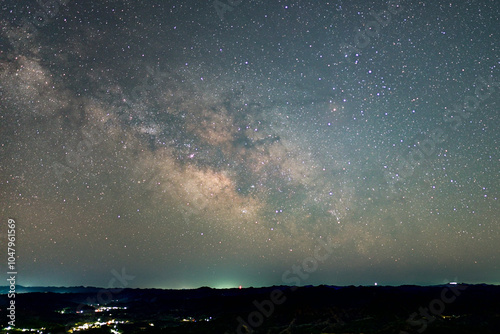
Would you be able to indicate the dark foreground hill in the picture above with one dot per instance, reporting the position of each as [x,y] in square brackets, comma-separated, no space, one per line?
[322,309]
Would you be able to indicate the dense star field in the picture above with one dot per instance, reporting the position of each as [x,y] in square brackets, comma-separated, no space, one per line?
[256,143]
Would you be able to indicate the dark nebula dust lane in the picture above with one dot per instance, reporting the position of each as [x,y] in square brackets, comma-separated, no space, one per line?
[195,146]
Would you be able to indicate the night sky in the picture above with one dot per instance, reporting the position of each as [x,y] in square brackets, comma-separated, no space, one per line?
[197,143]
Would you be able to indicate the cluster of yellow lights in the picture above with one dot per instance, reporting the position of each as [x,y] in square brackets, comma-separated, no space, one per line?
[96,324]
[191,319]
[109,308]
[25,329]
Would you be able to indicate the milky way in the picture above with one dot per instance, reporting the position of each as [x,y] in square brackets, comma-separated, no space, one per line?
[196,147]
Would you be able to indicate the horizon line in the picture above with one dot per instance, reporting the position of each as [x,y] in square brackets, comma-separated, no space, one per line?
[247,287]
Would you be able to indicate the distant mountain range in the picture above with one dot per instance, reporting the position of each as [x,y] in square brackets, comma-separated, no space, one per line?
[72,289]
[437,309]
[93,289]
